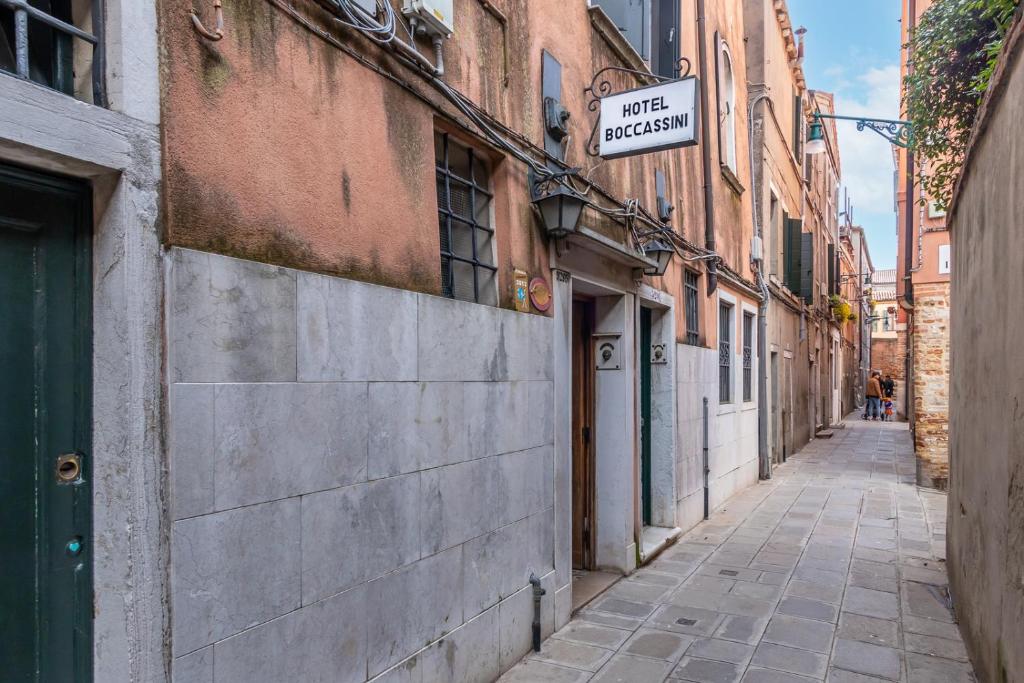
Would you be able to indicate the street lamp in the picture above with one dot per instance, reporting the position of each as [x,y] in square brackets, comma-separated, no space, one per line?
[815,138]
[895,131]
[560,209]
[661,253]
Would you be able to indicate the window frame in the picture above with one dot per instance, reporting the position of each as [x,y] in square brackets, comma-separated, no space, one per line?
[727,145]
[748,356]
[67,47]
[446,215]
[691,306]
[726,311]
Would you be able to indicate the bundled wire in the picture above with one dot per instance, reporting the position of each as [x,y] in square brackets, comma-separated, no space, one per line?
[353,16]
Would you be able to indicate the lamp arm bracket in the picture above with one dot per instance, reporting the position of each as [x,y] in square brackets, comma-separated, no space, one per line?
[896,131]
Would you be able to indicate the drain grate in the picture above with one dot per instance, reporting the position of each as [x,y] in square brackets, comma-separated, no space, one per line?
[728,572]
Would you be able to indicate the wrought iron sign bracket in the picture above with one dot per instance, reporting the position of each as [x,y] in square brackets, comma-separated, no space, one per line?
[897,132]
[600,88]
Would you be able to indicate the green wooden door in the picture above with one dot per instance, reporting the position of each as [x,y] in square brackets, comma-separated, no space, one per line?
[45,399]
[645,413]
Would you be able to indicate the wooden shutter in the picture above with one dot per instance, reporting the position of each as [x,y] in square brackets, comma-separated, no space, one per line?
[798,128]
[664,37]
[631,17]
[832,288]
[793,229]
[807,267]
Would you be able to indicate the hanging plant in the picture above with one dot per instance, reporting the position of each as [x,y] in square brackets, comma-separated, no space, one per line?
[841,310]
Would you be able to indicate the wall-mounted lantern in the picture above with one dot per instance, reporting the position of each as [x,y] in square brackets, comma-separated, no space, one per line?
[661,253]
[560,209]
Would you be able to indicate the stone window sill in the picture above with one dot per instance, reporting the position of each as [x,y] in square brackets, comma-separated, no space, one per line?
[732,180]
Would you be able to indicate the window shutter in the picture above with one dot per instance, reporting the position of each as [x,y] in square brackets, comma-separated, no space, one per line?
[631,17]
[791,255]
[798,128]
[665,37]
[807,267]
[832,288]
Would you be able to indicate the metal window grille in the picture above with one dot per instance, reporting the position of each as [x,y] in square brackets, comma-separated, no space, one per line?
[40,42]
[692,312]
[724,353]
[464,223]
[748,340]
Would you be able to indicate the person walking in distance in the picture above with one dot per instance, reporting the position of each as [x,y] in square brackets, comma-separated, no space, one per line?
[873,393]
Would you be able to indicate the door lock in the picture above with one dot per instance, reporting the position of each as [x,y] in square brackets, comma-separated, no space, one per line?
[69,468]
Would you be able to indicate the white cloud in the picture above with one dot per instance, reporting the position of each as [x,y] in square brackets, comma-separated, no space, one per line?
[866,157]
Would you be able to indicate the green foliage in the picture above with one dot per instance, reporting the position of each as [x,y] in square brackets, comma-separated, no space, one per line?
[953,53]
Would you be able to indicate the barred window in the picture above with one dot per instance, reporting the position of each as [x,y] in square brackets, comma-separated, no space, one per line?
[748,343]
[692,312]
[464,223]
[724,353]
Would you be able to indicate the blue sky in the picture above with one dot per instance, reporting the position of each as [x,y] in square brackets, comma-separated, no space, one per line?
[852,50]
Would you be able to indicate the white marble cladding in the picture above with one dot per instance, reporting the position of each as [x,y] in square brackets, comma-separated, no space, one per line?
[361,478]
[732,437]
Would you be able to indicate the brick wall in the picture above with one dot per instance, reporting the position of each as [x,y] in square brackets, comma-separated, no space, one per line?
[888,356]
[931,383]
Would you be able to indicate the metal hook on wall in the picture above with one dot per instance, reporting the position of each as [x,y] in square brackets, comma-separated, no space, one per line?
[218,32]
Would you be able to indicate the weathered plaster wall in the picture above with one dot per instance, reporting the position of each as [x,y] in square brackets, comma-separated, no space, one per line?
[985,536]
[931,383]
[283,149]
[362,477]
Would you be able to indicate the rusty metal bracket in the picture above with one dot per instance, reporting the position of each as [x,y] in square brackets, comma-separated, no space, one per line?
[218,32]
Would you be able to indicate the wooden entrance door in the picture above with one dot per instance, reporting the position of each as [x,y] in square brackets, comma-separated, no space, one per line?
[582,435]
[46,601]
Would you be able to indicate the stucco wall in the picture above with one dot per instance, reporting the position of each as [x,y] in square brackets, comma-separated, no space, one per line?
[281,148]
[361,477]
[986,484]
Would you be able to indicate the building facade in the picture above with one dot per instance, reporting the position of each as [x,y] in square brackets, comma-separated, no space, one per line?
[856,272]
[888,335]
[985,538]
[489,434]
[922,287]
[314,421]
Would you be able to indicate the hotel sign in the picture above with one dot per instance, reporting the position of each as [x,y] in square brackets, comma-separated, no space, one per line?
[649,119]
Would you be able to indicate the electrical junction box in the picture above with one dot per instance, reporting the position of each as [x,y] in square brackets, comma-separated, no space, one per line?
[436,16]
[756,249]
[368,6]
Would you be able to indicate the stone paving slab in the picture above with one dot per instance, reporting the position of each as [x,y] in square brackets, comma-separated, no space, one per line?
[833,570]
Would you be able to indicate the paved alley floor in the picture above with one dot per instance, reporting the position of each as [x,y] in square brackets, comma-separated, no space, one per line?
[833,570]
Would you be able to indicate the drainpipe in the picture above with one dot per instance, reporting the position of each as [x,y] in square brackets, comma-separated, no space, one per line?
[707,465]
[762,318]
[537,593]
[705,143]
[908,218]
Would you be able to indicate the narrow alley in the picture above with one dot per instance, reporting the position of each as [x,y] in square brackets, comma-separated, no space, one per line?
[835,568]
